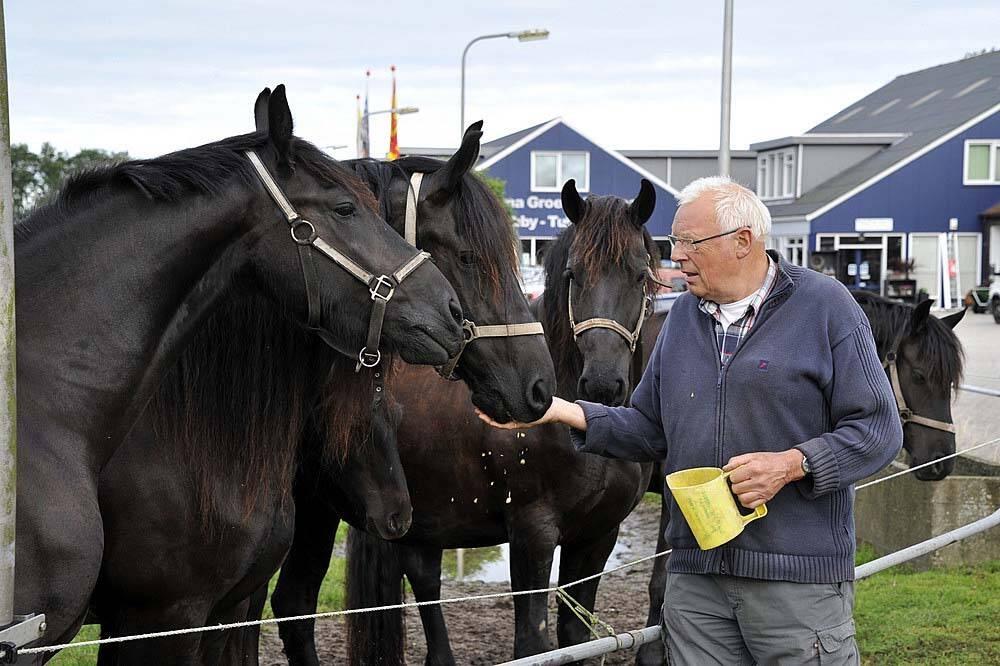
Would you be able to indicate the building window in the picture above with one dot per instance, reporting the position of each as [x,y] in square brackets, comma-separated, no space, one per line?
[776,175]
[982,163]
[550,170]
[794,249]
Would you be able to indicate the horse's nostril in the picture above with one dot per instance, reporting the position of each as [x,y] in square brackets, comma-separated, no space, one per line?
[539,396]
[393,523]
[456,311]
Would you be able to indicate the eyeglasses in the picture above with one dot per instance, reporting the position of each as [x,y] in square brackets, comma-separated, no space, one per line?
[686,245]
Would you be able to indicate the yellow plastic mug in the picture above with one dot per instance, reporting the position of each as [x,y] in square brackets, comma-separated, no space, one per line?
[709,506]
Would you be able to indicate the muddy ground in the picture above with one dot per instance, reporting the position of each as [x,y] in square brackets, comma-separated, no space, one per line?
[482,632]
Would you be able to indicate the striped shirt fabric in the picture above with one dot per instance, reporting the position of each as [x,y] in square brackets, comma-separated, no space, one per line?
[729,338]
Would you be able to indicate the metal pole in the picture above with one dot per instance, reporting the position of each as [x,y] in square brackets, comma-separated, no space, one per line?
[626,641]
[465,52]
[727,86]
[980,389]
[8,412]
[928,546]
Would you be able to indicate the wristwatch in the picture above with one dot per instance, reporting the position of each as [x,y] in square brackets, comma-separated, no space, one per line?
[806,469]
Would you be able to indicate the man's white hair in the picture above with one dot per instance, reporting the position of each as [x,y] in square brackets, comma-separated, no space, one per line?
[735,205]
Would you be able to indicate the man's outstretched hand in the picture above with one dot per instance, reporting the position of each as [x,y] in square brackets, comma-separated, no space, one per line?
[560,411]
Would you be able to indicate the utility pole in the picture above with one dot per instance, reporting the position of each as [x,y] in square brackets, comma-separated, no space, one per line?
[727,88]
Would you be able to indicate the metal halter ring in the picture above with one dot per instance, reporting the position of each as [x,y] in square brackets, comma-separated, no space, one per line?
[298,224]
[368,359]
[382,281]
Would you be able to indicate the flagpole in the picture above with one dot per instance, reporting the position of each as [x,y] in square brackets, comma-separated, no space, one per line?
[727,86]
[393,121]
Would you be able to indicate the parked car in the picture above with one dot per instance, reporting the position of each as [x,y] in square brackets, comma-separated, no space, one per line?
[978,299]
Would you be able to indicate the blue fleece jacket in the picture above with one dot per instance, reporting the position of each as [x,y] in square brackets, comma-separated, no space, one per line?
[806,376]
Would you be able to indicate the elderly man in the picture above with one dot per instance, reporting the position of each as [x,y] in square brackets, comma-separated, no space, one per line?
[769,371]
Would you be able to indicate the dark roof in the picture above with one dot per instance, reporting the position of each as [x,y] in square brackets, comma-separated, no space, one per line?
[712,153]
[991,213]
[499,144]
[924,105]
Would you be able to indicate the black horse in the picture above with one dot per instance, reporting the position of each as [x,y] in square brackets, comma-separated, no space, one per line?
[929,362]
[115,275]
[475,486]
[243,481]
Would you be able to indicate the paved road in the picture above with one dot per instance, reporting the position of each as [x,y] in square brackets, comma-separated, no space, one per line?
[978,416]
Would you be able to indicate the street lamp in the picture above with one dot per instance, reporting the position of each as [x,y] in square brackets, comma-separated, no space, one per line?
[521,36]
[402,111]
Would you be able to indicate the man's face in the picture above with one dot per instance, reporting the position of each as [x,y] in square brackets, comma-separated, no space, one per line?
[707,266]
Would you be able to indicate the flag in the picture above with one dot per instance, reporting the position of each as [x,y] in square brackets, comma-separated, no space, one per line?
[364,150]
[393,140]
[357,139]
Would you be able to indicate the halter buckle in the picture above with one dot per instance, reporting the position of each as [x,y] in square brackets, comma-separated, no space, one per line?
[890,357]
[367,359]
[308,239]
[905,414]
[382,282]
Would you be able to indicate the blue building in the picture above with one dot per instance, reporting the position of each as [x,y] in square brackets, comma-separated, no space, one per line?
[535,162]
[896,186]
[892,194]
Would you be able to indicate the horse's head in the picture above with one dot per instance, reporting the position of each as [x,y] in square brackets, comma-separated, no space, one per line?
[929,367]
[464,225]
[603,286]
[325,272]
[371,480]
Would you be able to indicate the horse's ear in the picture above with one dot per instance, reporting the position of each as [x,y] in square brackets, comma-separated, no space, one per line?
[641,209]
[572,203]
[445,180]
[279,125]
[951,321]
[919,316]
[260,110]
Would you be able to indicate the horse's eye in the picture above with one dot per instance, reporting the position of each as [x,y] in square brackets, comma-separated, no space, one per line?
[344,210]
[918,377]
[467,258]
[641,278]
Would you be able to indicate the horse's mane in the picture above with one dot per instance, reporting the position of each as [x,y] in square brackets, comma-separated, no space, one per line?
[935,341]
[207,170]
[599,242]
[245,392]
[483,221]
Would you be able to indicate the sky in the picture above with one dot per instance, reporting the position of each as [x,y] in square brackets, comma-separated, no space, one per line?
[149,77]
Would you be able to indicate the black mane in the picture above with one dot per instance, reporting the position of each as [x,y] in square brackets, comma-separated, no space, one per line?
[483,221]
[936,342]
[206,170]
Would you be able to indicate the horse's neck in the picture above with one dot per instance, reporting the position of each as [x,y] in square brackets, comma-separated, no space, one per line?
[93,322]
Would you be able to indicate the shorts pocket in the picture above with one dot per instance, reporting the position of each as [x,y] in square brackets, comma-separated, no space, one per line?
[836,644]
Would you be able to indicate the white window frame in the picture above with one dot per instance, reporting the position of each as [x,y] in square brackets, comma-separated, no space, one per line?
[800,243]
[777,174]
[993,177]
[580,187]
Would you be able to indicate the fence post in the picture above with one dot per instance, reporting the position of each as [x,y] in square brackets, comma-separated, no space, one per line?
[15,631]
[8,417]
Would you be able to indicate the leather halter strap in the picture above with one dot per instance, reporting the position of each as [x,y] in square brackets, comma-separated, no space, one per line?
[380,287]
[471,330]
[631,337]
[906,415]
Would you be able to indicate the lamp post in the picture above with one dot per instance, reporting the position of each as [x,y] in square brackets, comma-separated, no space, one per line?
[402,111]
[520,35]
[727,86]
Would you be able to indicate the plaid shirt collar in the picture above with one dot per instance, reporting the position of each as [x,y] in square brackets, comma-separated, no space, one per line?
[711,308]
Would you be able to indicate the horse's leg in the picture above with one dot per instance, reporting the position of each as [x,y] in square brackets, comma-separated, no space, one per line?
[302,573]
[60,539]
[422,567]
[654,654]
[579,561]
[127,621]
[533,541]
